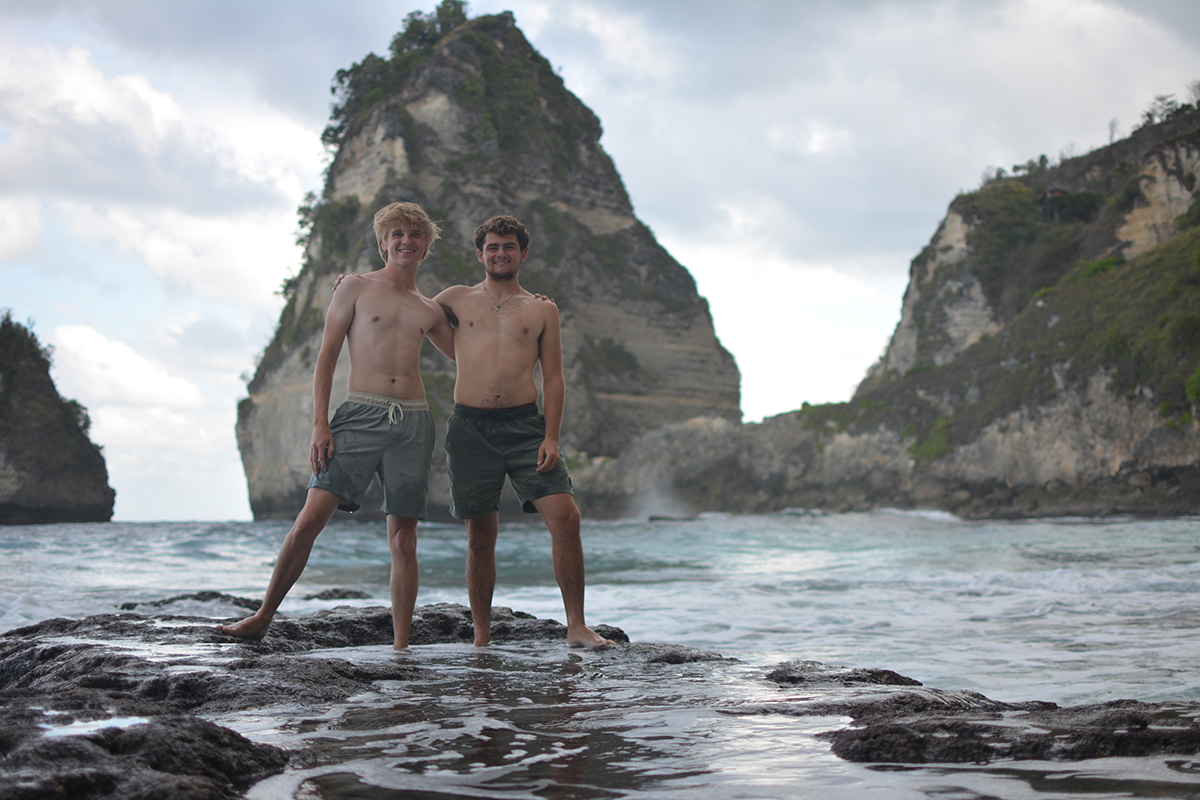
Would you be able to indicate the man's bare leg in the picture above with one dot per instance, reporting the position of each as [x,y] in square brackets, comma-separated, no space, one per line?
[402,542]
[293,556]
[561,516]
[481,573]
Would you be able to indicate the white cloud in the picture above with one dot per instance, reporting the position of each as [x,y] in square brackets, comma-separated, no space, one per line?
[808,138]
[100,372]
[800,331]
[168,440]
[20,224]
[625,42]
[42,85]
[238,260]
[204,194]
[75,131]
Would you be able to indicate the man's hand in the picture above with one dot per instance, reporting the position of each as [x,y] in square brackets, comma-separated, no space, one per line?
[536,296]
[338,282]
[547,455]
[321,450]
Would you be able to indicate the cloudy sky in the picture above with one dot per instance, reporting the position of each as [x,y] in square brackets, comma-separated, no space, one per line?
[795,156]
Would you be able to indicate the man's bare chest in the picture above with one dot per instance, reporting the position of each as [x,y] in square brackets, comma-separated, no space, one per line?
[383,313]
[485,324]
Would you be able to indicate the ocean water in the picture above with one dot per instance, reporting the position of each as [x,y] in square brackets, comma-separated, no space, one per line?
[1068,611]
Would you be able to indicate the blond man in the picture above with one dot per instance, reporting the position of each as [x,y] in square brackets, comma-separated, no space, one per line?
[384,428]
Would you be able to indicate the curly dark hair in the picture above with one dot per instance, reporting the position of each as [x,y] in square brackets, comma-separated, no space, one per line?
[502,225]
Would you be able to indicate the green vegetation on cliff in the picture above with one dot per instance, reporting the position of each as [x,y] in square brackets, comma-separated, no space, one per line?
[1043,247]
[524,130]
[364,85]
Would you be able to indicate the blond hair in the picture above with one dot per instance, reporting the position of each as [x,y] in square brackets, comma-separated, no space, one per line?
[392,216]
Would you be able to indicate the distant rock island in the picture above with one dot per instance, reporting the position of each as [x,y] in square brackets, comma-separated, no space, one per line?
[1047,360]
[49,470]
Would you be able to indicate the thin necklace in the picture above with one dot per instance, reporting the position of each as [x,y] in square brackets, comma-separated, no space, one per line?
[496,306]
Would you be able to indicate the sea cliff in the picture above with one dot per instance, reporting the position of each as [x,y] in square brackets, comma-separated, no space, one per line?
[49,470]
[468,120]
[1047,362]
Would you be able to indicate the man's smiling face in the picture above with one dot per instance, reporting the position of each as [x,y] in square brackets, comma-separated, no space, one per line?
[501,256]
[406,245]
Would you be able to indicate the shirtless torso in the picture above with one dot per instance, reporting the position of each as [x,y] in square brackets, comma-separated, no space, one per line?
[502,333]
[383,319]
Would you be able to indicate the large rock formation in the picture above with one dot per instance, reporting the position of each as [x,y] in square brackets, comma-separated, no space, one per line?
[472,124]
[49,470]
[1047,362]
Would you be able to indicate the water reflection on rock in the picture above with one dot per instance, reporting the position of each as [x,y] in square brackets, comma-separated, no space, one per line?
[323,708]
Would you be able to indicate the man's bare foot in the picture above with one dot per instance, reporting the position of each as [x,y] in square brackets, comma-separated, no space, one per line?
[249,628]
[584,636]
[484,640]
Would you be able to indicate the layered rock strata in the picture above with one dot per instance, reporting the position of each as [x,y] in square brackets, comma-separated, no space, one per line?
[477,125]
[1047,362]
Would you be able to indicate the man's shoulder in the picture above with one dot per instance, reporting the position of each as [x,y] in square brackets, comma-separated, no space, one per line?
[541,306]
[456,292]
[356,282]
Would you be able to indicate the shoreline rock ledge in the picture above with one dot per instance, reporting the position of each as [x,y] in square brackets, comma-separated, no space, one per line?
[130,705]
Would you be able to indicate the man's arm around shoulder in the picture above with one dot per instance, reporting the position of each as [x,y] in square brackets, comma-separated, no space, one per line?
[441,333]
[446,298]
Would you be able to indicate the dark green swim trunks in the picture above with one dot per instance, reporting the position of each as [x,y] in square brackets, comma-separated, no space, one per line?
[485,444]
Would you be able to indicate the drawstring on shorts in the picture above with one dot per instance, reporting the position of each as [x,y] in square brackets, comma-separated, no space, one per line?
[395,407]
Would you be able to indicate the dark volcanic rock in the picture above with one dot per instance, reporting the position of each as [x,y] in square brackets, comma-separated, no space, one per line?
[113,705]
[918,726]
[209,597]
[1023,732]
[169,756]
[146,678]
[814,673]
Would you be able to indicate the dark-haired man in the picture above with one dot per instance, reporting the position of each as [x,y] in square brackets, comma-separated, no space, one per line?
[501,333]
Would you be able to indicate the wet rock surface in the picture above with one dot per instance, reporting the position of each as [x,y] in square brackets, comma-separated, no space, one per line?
[136,705]
[922,725]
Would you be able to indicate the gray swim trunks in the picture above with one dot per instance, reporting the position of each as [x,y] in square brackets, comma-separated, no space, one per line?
[485,444]
[375,434]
